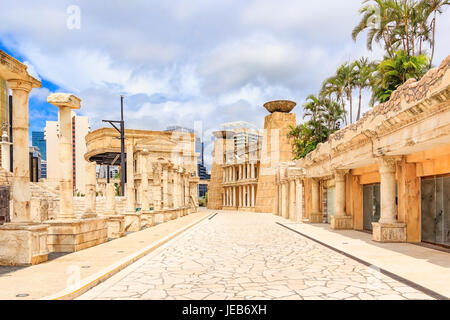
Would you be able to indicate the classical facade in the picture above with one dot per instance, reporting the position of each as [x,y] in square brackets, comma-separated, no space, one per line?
[22,241]
[387,174]
[161,173]
[245,162]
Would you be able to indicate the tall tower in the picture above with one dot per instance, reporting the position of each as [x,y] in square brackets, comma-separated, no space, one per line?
[276,148]
[222,143]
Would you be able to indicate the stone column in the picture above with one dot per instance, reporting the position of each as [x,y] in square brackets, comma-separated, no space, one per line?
[65,163]
[21,194]
[284,203]
[315,215]
[131,201]
[298,200]
[157,186]
[253,196]
[147,216]
[110,200]
[91,189]
[292,199]
[165,185]
[6,146]
[21,241]
[145,203]
[340,221]
[388,229]
[66,233]
[252,170]
[176,187]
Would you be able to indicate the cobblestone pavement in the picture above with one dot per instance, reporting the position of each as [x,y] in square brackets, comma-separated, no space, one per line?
[248,256]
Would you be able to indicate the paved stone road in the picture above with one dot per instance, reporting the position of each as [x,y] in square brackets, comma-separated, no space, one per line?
[248,256]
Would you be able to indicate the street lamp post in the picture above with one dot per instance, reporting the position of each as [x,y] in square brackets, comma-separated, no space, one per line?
[121,131]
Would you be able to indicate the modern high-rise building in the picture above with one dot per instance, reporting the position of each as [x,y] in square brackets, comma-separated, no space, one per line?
[38,141]
[80,128]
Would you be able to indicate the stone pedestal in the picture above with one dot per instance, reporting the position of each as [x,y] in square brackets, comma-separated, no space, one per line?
[133,221]
[341,222]
[147,218]
[70,235]
[389,232]
[116,226]
[23,244]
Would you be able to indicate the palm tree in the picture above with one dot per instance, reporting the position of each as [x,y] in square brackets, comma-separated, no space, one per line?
[364,70]
[348,74]
[377,18]
[334,86]
[432,8]
[393,72]
[333,114]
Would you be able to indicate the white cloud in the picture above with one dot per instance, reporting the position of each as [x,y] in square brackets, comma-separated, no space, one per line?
[185,60]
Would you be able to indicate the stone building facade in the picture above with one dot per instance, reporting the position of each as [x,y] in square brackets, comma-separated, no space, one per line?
[388,173]
[161,173]
[243,175]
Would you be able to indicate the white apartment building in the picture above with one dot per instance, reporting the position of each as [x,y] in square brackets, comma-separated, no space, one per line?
[80,128]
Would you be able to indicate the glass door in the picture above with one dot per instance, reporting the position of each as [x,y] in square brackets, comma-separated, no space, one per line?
[435,207]
[371,205]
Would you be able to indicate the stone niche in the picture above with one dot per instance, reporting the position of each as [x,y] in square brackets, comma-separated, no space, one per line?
[77,234]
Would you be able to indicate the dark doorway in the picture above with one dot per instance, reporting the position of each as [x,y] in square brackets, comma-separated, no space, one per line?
[435,209]
[371,205]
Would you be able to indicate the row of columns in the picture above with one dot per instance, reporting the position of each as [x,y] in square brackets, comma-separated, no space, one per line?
[290,195]
[240,196]
[290,199]
[240,172]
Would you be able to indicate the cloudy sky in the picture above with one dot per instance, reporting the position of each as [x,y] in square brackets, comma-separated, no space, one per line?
[181,61]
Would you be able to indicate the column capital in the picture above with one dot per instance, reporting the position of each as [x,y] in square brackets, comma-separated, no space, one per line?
[387,164]
[23,85]
[339,174]
[67,100]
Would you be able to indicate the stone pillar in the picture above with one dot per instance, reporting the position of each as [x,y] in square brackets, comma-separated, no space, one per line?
[6,146]
[315,216]
[284,203]
[110,200]
[21,241]
[65,163]
[292,199]
[91,189]
[252,170]
[147,216]
[67,233]
[165,185]
[21,194]
[131,201]
[157,170]
[253,196]
[388,229]
[298,200]
[340,221]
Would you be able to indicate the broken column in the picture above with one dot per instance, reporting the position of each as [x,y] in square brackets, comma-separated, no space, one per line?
[69,233]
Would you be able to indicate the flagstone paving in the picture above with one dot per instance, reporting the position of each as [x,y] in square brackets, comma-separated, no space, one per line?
[249,256]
